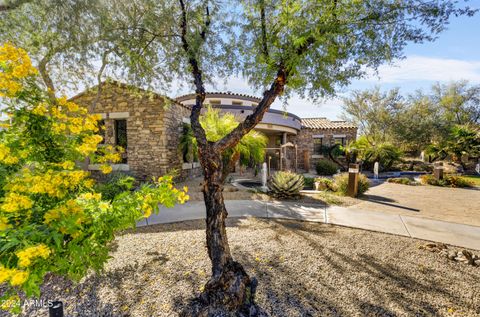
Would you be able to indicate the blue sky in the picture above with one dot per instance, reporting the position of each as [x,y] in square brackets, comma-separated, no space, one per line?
[455,55]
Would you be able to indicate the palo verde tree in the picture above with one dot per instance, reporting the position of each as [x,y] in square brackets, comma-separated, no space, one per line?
[280,47]
[310,47]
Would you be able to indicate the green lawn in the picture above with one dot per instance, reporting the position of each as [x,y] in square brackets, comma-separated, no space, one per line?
[474,179]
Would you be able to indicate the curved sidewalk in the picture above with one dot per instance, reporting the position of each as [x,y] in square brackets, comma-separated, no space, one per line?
[421,228]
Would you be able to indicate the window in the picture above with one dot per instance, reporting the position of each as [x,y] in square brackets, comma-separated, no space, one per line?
[121,137]
[214,102]
[318,146]
[237,103]
[340,141]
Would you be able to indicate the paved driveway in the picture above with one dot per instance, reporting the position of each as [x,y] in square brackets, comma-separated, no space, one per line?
[447,204]
[415,227]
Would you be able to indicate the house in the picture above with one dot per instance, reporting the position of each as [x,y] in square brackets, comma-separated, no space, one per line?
[149,126]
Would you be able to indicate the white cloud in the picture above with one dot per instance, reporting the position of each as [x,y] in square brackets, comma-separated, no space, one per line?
[421,68]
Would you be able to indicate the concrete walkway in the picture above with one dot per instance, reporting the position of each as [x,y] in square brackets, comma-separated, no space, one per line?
[433,230]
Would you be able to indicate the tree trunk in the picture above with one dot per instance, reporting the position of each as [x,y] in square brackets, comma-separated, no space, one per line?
[230,289]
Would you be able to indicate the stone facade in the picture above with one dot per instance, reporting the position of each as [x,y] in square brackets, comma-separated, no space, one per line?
[305,141]
[154,126]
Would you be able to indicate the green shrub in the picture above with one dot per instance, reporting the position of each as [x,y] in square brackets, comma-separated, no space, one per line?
[384,153]
[447,181]
[401,180]
[116,184]
[308,183]
[341,183]
[325,183]
[325,167]
[286,184]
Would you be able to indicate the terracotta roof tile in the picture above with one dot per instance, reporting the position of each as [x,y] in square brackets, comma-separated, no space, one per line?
[324,123]
[213,94]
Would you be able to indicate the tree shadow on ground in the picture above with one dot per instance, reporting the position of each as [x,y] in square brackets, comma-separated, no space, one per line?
[328,271]
[391,285]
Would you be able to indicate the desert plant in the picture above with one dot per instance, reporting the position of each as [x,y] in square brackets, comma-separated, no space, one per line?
[402,180]
[308,182]
[325,167]
[325,183]
[447,181]
[250,149]
[341,183]
[384,153]
[286,184]
[188,144]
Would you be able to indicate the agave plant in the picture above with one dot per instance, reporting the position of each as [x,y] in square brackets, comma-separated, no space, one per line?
[286,184]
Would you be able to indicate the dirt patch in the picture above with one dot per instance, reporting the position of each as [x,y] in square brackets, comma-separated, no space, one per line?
[303,269]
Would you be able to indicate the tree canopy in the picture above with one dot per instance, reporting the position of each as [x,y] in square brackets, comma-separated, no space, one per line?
[418,120]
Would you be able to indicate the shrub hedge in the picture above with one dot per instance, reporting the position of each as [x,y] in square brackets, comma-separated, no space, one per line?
[325,167]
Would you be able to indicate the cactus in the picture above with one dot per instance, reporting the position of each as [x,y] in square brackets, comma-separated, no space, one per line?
[286,184]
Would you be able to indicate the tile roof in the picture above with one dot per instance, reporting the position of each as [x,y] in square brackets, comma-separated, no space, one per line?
[213,94]
[324,123]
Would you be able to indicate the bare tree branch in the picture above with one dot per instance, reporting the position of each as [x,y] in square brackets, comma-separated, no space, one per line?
[47,80]
[99,78]
[203,33]
[198,79]
[264,31]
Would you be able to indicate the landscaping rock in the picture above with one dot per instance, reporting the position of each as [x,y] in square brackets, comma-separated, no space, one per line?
[451,255]
[463,256]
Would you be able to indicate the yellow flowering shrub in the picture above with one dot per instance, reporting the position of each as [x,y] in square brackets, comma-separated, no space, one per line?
[51,217]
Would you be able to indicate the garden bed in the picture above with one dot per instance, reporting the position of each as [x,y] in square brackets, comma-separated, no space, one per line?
[303,269]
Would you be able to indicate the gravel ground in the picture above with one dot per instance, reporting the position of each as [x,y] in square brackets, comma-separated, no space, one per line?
[304,269]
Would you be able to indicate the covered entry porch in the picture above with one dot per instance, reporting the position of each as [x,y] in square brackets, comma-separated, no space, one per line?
[281,153]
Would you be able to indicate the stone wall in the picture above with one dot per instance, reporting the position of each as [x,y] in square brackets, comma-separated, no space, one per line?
[305,142]
[154,126]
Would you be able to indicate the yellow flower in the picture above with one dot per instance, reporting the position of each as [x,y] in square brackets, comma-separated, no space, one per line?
[5,274]
[104,206]
[105,168]
[89,183]
[15,202]
[185,189]
[16,66]
[4,223]
[89,144]
[40,110]
[182,197]
[26,256]
[6,156]
[68,165]
[18,278]
[147,210]
[73,107]
[90,196]
[69,208]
